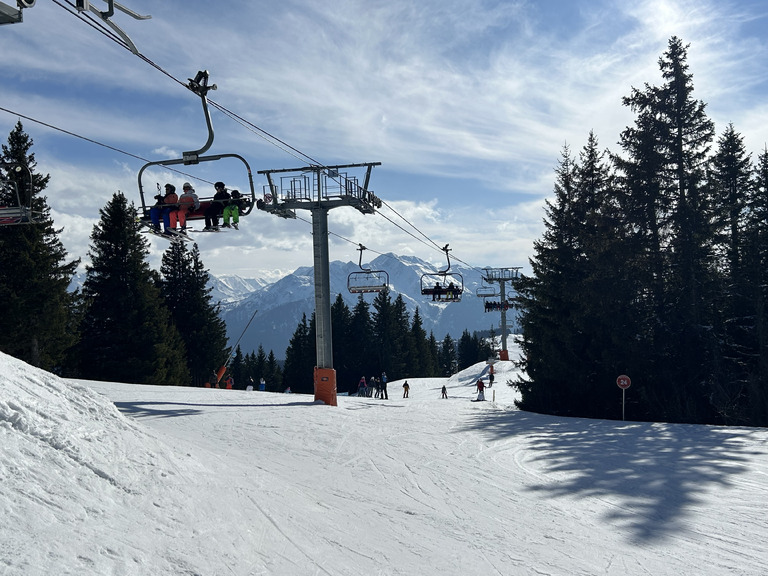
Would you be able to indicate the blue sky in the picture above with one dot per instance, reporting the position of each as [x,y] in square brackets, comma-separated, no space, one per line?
[467,105]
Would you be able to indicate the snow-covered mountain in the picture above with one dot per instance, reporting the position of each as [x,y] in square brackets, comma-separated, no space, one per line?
[230,288]
[281,304]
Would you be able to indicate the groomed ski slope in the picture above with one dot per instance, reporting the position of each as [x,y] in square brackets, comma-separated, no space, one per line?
[220,482]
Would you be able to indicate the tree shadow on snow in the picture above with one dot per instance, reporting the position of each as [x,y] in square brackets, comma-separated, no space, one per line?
[654,474]
[173,409]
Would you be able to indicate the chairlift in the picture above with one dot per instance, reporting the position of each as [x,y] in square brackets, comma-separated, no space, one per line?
[16,203]
[199,85]
[487,292]
[443,286]
[367,280]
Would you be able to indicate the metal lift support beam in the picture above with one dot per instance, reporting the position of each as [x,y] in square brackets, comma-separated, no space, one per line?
[319,202]
[502,276]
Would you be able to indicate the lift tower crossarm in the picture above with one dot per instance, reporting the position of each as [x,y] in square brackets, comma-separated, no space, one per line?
[502,276]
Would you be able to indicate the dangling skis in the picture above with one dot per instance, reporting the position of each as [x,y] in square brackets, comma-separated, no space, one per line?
[172,235]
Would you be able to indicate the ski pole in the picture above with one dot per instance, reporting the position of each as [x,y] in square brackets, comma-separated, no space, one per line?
[223,368]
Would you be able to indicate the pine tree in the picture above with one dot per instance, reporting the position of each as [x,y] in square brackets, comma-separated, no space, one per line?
[237,369]
[127,332]
[546,299]
[447,358]
[260,371]
[361,345]
[384,337]
[401,341]
[604,292]
[467,350]
[679,385]
[300,358]
[755,264]
[420,362]
[273,375]
[434,354]
[249,369]
[343,362]
[37,324]
[185,286]
[731,187]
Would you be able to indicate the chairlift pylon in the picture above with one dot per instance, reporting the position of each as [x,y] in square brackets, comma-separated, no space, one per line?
[443,286]
[367,280]
[199,85]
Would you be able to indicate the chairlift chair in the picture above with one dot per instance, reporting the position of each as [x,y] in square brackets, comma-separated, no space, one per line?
[15,206]
[367,280]
[443,286]
[487,292]
[199,85]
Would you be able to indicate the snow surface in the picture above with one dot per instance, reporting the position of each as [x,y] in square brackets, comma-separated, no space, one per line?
[105,478]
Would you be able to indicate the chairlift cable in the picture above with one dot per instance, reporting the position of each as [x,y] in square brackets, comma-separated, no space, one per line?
[264,134]
[70,133]
[92,22]
[267,136]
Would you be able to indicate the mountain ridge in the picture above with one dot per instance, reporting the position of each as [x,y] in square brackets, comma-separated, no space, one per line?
[282,303]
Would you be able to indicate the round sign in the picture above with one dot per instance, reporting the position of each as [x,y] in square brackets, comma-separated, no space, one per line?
[623,382]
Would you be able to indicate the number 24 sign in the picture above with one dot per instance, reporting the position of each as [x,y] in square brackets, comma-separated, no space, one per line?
[623,382]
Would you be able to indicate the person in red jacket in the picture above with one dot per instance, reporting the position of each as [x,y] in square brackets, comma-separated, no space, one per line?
[165,205]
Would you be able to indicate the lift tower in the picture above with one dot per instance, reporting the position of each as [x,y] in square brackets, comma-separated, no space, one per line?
[502,276]
[318,189]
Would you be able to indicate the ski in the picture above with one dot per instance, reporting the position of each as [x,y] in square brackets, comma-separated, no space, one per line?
[171,235]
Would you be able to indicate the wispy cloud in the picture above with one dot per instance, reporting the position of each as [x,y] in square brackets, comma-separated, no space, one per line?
[466,104]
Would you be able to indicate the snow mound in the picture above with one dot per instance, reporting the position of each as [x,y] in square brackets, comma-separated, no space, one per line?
[69,459]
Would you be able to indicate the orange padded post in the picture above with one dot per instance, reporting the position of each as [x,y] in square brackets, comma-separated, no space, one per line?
[504,355]
[325,385]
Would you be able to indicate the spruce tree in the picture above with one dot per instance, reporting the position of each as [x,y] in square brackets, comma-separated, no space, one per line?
[361,345]
[300,358]
[127,332]
[385,343]
[420,361]
[755,265]
[236,369]
[260,371]
[731,187]
[467,350]
[401,341]
[683,135]
[447,359]
[185,286]
[273,374]
[546,300]
[37,323]
[434,354]
[343,362]
[603,315]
